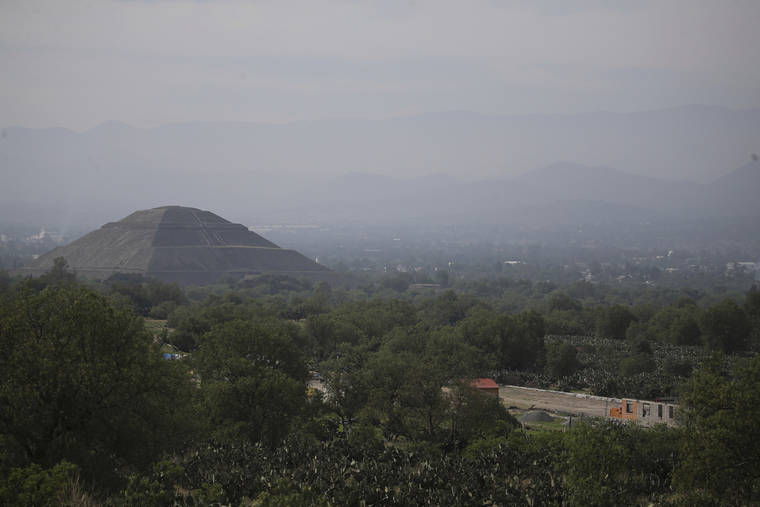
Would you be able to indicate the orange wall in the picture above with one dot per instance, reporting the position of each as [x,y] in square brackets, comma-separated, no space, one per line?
[620,413]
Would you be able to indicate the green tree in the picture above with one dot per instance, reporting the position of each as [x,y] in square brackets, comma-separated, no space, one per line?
[405,394]
[398,282]
[561,301]
[59,273]
[751,309]
[726,327]
[157,489]
[346,381]
[561,360]
[638,363]
[252,379]
[521,341]
[612,464]
[514,342]
[721,453]
[81,380]
[5,281]
[448,308]
[613,321]
[148,296]
[454,357]
[474,415]
[685,329]
[480,329]
[678,325]
[377,317]
[327,331]
[36,486]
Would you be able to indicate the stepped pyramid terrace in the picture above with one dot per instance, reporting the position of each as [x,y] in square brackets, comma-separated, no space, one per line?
[177,244]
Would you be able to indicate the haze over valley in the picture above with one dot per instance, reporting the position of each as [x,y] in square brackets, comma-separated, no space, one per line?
[379,252]
[687,162]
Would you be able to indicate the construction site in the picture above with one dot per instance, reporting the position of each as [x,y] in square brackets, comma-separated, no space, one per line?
[566,405]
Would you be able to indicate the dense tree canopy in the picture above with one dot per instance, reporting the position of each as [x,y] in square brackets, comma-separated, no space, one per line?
[722,438]
[726,327]
[85,391]
[612,322]
[81,380]
[252,378]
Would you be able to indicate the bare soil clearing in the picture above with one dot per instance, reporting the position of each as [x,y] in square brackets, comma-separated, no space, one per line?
[567,403]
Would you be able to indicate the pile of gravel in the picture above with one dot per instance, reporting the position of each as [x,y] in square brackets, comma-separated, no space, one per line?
[536,416]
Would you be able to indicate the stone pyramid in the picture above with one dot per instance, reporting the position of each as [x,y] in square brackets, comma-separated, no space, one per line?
[176,244]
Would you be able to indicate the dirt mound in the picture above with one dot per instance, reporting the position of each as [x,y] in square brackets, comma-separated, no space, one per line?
[536,416]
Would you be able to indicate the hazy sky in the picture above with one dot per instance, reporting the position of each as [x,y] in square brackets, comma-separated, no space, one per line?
[79,63]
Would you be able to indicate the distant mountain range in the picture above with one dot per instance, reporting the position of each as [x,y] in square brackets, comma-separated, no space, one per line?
[445,167]
[562,193]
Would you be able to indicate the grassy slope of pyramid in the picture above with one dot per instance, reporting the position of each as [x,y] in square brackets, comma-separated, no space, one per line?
[178,244]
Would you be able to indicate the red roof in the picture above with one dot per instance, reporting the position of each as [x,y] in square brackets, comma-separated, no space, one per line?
[484,383]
